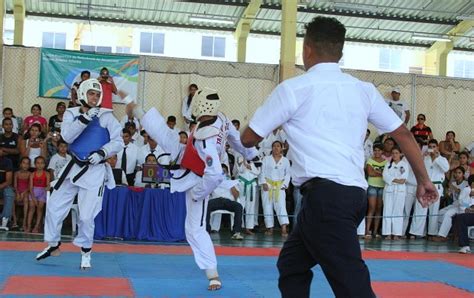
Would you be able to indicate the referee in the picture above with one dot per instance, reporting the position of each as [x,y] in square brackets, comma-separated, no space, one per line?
[325,114]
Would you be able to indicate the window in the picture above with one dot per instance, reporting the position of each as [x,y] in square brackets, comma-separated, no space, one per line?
[152,43]
[213,46]
[87,48]
[98,49]
[54,40]
[124,50]
[8,37]
[464,68]
[390,59]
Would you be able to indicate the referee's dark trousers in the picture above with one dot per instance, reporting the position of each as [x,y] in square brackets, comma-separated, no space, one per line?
[326,234]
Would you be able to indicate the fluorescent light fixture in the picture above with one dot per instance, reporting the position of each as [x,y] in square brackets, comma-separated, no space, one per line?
[355,7]
[429,37]
[211,19]
[100,9]
[465,17]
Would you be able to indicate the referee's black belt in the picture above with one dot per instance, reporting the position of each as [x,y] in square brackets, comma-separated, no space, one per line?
[311,183]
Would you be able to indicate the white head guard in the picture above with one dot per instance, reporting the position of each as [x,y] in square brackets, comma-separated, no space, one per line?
[90,84]
[205,102]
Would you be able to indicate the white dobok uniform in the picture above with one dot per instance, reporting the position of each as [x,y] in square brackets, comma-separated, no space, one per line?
[87,181]
[436,170]
[461,200]
[394,197]
[277,176]
[209,144]
[248,189]
[266,144]
[410,198]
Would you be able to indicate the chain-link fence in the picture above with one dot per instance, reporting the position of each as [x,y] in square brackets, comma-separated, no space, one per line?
[447,103]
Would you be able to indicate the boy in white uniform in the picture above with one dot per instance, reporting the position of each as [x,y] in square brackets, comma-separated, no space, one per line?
[201,170]
[436,166]
[93,135]
[248,174]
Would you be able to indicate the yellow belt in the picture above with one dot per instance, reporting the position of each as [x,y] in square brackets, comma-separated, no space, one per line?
[274,188]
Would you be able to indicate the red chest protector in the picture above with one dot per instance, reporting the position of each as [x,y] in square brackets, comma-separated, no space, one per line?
[191,160]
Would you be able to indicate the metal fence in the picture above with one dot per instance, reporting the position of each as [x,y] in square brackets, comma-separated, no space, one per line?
[448,103]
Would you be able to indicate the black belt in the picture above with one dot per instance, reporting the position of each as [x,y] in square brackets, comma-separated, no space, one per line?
[84,164]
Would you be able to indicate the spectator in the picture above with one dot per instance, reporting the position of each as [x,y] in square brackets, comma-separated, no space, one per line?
[183,137]
[137,137]
[32,144]
[395,175]
[191,127]
[150,159]
[52,144]
[186,107]
[275,179]
[6,191]
[248,174]
[39,183]
[266,144]
[463,158]
[127,157]
[35,117]
[130,118]
[466,220]
[449,147]
[399,106]
[421,131]
[85,75]
[59,160]
[150,148]
[224,197]
[236,124]
[171,122]
[108,88]
[460,202]
[119,175]
[56,120]
[368,146]
[8,113]
[374,168]
[388,145]
[436,166]
[21,182]
[9,142]
[470,149]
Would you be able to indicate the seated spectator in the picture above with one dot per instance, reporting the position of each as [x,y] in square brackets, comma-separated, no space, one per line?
[21,183]
[368,146]
[449,147]
[55,121]
[59,160]
[388,145]
[52,143]
[463,222]
[39,185]
[470,149]
[108,88]
[150,159]
[9,143]
[8,113]
[151,148]
[236,124]
[275,179]
[128,156]
[119,175]
[35,117]
[463,161]
[130,118]
[420,130]
[183,137]
[6,191]
[32,144]
[137,137]
[85,75]
[186,106]
[224,197]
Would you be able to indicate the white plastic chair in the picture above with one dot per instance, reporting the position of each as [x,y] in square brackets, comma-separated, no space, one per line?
[470,232]
[224,212]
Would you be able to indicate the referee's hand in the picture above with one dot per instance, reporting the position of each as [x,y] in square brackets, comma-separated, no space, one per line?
[426,193]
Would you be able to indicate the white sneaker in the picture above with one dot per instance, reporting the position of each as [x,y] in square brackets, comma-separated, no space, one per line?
[85,260]
[237,236]
[4,226]
[465,250]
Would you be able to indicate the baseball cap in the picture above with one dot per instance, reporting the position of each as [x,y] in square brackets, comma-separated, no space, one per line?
[396,89]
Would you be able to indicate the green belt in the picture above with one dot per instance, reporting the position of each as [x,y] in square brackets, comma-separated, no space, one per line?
[248,183]
[437,182]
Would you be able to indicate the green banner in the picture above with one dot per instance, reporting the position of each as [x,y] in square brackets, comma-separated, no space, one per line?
[60,69]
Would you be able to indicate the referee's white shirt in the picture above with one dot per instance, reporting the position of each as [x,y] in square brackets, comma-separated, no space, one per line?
[325,114]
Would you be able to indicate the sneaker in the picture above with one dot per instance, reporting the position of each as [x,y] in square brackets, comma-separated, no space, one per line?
[85,260]
[4,226]
[465,250]
[237,236]
[49,251]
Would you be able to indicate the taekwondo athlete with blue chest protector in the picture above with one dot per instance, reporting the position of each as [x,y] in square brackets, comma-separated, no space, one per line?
[93,135]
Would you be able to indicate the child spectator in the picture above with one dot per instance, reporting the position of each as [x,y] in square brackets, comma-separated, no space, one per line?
[248,177]
[21,182]
[171,122]
[119,175]
[463,221]
[183,137]
[35,117]
[55,121]
[137,138]
[8,113]
[395,175]
[275,179]
[52,143]
[39,184]
[388,145]
[59,160]
[32,144]
[374,169]
[186,110]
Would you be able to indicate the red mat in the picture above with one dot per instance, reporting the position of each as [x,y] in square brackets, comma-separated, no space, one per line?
[417,289]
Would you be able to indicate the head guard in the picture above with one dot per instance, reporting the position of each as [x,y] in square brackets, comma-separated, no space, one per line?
[90,84]
[206,102]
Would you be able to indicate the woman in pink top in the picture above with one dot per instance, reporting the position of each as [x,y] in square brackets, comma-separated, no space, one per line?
[35,117]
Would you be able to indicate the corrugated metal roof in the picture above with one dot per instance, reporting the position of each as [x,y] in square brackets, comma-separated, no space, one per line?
[384,21]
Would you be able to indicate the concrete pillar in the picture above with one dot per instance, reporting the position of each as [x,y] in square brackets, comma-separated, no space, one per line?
[288,39]
[19,14]
[243,28]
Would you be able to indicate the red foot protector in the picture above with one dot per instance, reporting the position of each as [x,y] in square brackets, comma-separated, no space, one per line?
[67,286]
[417,290]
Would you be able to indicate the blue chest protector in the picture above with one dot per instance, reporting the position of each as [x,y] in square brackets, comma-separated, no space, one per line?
[90,140]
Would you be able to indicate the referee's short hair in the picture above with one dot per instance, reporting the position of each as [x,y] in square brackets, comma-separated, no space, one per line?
[326,35]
